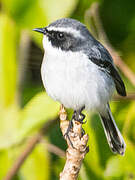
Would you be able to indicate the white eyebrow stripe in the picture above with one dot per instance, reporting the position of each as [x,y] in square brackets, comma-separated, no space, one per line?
[67,30]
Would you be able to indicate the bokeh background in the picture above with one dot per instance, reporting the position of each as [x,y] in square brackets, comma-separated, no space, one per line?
[25,108]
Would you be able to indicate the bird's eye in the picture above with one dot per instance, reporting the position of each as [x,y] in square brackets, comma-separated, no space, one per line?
[60,36]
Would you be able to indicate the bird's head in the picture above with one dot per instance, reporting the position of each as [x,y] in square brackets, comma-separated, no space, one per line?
[66,34]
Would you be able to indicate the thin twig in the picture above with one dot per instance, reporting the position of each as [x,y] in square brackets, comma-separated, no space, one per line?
[128,97]
[76,151]
[54,149]
[94,13]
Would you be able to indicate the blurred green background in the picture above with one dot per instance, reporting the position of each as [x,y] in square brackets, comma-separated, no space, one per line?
[25,107]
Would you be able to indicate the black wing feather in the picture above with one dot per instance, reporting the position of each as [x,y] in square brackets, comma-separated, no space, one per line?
[104,60]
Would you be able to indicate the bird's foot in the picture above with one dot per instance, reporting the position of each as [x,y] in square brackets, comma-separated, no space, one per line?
[77,116]
[80,118]
[66,135]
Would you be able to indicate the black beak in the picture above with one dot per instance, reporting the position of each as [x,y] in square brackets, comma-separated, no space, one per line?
[40,30]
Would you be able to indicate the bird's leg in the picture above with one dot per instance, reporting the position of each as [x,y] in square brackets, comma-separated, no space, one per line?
[70,126]
[79,116]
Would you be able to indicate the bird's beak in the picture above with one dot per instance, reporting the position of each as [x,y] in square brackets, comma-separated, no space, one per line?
[40,30]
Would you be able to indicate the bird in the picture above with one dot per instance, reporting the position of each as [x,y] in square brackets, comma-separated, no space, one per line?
[79,72]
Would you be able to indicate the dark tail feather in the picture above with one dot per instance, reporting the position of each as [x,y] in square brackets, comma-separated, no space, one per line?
[113,135]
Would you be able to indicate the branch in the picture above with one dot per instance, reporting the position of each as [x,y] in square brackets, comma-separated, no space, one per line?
[74,156]
[93,12]
[128,97]
[54,149]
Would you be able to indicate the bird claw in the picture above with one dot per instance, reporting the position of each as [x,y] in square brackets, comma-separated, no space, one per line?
[77,117]
[80,119]
[66,135]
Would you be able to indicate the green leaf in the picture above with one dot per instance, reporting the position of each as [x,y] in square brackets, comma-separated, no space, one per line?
[36,166]
[7,61]
[5,163]
[130,121]
[37,112]
[8,126]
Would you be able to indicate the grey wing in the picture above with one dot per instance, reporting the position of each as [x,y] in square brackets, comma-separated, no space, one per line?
[101,57]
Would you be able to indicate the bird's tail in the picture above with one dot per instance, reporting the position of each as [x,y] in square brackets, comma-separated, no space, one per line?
[113,135]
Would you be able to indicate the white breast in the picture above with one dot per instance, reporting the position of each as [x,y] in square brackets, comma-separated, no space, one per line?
[73,80]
